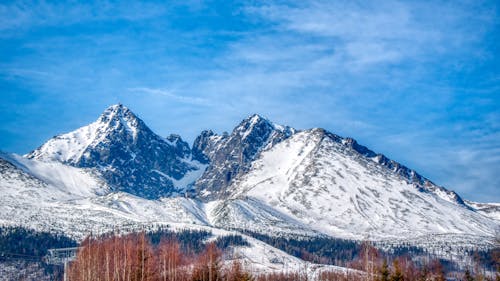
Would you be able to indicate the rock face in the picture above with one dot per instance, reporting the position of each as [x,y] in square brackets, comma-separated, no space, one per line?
[132,158]
[404,172]
[231,155]
[261,176]
[128,155]
[320,180]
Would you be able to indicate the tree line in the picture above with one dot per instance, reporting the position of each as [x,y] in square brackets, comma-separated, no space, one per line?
[134,257]
[379,267]
[26,248]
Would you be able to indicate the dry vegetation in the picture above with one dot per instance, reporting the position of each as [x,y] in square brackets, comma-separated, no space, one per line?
[132,257]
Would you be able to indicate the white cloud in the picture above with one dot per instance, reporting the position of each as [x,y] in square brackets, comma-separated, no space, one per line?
[171,95]
[370,33]
[369,70]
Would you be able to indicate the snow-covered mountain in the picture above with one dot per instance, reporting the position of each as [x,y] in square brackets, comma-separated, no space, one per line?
[409,175]
[320,180]
[126,153]
[70,201]
[262,177]
[230,156]
[491,210]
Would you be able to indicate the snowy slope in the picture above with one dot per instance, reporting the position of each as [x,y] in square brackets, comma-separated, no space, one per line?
[67,179]
[262,177]
[409,175]
[491,210]
[251,214]
[230,155]
[59,180]
[126,154]
[31,202]
[316,179]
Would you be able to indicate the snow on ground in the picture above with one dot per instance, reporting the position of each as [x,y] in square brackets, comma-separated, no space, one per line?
[32,203]
[256,216]
[304,186]
[491,210]
[75,181]
[191,176]
[328,187]
[72,145]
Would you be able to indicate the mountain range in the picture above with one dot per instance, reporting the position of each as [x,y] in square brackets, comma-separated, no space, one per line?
[263,177]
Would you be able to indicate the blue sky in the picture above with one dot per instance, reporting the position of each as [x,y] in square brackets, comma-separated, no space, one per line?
[416,80]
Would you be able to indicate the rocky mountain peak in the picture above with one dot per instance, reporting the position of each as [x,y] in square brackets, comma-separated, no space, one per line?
[128,155]
[118,110]
[230,155]
[201,144]
[119,118]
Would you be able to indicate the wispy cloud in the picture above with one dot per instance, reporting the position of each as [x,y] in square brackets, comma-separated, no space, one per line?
[415,80]
[362,34]
[171,95]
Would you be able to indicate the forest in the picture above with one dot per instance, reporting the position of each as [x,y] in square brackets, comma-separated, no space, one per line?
[186,256]
[199,255]
[24,250]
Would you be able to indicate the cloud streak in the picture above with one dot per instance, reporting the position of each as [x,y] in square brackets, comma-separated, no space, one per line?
[171,95]
[415,80]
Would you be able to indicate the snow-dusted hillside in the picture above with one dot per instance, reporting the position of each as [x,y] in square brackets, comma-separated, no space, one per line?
[262,177]
[230,156]
[127,154]
[77,203]
[61,207]
[315,178]
[491,210]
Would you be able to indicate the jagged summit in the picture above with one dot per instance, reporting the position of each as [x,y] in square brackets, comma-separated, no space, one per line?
[323,181]
[256,125]
[253,120]
[126,152]
[261,176]
[231,155]
[132,157]
[120,114]
[117,121]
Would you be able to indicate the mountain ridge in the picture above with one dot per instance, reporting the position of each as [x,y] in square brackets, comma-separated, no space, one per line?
[315,177]
[262,176]
[129,155]
[213,160]
[230,155]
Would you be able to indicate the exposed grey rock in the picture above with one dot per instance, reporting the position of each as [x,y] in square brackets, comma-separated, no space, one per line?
[231,155]
[128,155]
